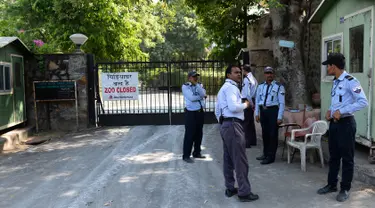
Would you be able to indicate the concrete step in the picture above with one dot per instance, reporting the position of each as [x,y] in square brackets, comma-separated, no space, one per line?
[13,139]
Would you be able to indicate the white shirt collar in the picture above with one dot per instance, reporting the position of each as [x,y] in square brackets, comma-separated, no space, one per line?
[232,82]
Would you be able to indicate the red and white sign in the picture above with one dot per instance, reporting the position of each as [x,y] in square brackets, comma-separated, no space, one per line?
[120,86]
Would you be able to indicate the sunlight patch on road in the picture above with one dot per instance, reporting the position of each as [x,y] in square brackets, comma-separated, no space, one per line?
[155,172]
[126,179]
[150,158]
[208,158]
[57,175]
[69,193]
[82,136]
[363,194]
[8,170]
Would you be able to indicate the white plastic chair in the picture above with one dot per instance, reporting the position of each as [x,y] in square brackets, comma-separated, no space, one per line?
[315,132]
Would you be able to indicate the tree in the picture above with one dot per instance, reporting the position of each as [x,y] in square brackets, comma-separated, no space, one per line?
[286,23]
[115,28]
[225,20]
[184,38]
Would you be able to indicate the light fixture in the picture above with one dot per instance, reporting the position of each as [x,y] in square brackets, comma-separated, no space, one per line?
[78,39]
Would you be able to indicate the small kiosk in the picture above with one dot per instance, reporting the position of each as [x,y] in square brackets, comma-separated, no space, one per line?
[12,82]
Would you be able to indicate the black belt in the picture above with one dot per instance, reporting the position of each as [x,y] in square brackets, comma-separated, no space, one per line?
[200,110]
[343,119]
[268,107]
[233,119]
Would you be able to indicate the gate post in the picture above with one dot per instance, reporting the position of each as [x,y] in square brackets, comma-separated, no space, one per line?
[169,92]
[90,74]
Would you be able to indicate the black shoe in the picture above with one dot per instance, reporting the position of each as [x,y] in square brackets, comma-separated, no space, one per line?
[267,161]
[327,189]
[248,146]
[199,156]
[248,198]
[342,196]
[230,193]
[261,157]
[188,160]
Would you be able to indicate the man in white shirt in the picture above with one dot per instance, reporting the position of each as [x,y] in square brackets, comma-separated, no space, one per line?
[248,93]
[229,111]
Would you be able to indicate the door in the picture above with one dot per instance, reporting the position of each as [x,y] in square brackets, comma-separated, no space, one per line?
[357,36]
[19,89]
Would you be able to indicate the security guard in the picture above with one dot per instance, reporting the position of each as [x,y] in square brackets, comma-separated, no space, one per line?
[229,112]
[347,97]
[194,95]
[269,110]
[248,93]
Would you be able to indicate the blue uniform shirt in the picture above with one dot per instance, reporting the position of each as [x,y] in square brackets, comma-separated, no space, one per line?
[347,95]
[275,97]
[194,96]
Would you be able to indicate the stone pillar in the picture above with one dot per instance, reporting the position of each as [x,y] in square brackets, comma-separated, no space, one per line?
[62,114]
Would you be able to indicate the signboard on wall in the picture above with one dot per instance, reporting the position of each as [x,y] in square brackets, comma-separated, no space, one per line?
[54,90]
[286,44]
[120,86]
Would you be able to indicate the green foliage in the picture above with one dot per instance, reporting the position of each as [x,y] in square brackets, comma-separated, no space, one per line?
[185,38]
[226,22]
[115,28]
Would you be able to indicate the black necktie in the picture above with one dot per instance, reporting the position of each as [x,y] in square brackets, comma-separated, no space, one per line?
[265,100]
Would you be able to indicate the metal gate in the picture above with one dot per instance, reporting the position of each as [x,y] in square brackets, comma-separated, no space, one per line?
[160,98]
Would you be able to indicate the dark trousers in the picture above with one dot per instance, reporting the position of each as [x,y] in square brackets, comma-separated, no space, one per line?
[268,121]
[235,158]
[193,132]
[341,148]
[249,128]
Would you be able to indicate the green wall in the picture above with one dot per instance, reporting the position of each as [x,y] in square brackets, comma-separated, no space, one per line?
[330,26]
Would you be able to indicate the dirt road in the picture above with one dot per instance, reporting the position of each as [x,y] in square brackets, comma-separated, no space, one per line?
[142,167]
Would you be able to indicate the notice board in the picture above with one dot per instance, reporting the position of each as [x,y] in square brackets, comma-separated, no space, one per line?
[55,90]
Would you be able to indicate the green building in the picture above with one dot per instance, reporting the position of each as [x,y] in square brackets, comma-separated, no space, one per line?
[12,82]
[348,27]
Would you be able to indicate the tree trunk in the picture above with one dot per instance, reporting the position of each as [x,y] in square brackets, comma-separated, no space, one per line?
[285,24]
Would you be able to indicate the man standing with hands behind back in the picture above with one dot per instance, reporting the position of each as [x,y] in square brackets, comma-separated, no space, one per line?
[194,95]
[269,110]
[347,97]
[229,112]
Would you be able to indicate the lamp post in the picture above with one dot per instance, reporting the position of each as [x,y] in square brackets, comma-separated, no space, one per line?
[78,39]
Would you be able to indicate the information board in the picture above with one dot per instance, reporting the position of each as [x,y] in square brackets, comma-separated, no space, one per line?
[55,90]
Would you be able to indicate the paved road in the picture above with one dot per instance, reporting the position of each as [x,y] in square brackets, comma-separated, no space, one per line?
[141,167]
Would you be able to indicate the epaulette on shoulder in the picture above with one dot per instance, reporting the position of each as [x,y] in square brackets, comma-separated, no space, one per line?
[278,83]
[187,83]
[348,77]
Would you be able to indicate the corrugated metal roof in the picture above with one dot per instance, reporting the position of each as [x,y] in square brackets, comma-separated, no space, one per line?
[4,41]
[321,11]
